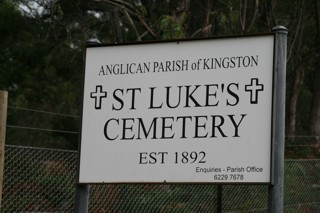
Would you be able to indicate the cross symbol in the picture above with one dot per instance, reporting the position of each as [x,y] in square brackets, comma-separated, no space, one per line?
[98,95]
[254,88]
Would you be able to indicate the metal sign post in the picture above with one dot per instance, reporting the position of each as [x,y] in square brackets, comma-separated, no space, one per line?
[82,198]
[276,187]
[3,124]
[82,190]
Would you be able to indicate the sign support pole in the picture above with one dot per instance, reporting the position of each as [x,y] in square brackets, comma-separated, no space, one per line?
[3,124]
[277,178]
[82,198]
[82,190]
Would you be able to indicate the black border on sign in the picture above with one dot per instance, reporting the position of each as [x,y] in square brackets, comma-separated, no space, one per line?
[91,45]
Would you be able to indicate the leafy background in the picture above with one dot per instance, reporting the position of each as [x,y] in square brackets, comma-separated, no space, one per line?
[42,43]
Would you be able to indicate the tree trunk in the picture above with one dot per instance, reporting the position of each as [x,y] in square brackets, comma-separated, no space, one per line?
[315,110]
[206,26]
[315,107]
[298,80]
[194,21]
[117,25]
[297,69]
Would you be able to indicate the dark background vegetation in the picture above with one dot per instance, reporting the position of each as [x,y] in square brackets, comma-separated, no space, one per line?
[42,43]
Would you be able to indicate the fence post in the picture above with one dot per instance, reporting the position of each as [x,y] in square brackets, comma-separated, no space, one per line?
[277,179]
[3,124]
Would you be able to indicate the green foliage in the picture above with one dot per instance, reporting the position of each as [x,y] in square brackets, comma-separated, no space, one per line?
[41,54]
[301,182]
[41,71]
[166,198]
[172,27]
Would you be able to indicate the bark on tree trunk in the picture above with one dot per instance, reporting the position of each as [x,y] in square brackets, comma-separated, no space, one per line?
[246,22]
[315,108]
[117,25]
[298,80]
[206,26]
[298,72]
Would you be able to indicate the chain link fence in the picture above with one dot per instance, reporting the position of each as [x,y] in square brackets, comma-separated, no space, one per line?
[43,180]
[38,180]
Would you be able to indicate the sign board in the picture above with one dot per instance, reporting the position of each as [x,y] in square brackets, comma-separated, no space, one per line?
[197,111]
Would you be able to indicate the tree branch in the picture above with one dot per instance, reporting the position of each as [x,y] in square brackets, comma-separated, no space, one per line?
[131,10]
[256,9]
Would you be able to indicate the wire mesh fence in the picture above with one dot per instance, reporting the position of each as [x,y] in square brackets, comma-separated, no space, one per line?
[43,180]
[37,180]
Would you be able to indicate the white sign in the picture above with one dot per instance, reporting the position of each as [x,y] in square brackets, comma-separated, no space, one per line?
[189,111]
